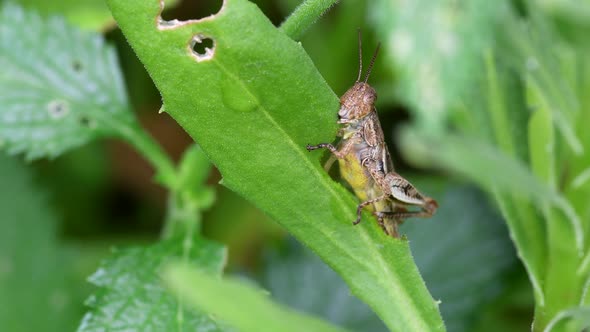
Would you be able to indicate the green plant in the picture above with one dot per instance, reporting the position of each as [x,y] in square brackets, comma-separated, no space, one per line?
[254,99]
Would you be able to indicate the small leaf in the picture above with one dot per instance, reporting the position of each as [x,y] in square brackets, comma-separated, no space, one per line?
[244,306]
[132,298]
[34,275]
[61,87]
[193,171]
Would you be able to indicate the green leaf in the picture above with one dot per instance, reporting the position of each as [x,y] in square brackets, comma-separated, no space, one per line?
[579,315]
[244,306]
[252,102]
[304,16]
[451,265]
[131,296]
[528,50]
[60,87]
[449,249]
[541,139]
[426,41]
[193,171]
[86,14]
[35,278]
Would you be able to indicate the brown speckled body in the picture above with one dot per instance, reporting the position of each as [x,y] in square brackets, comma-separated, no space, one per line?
[365,163]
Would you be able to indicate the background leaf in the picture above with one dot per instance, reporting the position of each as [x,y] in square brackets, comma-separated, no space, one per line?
[578,316]
[60,87]
[86,14]
[35,275]
[132,298]
[228,298]
[424,41]
[252,102]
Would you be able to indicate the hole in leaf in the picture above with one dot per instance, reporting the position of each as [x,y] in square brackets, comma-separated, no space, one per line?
[202,47]
[58,108]
[194,10]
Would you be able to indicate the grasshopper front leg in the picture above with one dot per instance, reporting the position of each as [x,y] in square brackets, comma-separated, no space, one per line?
[389,224]
[345,149]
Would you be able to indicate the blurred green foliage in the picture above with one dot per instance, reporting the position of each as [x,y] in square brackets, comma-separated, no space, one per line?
[36,275]
[495,93]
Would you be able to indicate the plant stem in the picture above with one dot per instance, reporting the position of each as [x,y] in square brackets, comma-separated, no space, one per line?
[304,16]
[181,213]
[190,196]
[147,146]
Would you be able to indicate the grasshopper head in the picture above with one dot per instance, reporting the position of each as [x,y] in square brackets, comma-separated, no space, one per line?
[357,102]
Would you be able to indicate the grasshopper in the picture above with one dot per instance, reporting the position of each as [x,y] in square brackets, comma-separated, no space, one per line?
[365,162]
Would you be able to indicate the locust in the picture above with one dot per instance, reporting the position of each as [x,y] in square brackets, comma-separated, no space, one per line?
[365,162]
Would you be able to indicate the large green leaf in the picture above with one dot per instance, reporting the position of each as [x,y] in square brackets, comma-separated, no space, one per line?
[132,298]
[38,290]
[451,265]
[60,87]
[252,102]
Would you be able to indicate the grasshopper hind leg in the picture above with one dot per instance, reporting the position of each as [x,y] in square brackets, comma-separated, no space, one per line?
[427,210]
[389,223]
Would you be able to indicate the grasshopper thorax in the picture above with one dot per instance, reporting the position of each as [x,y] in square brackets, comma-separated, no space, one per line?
[357,102]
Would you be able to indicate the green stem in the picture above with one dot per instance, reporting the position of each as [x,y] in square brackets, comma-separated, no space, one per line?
[147,146]
[181,213]
[304,16]
[189,197]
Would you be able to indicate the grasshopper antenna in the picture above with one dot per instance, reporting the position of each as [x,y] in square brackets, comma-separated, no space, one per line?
[360,56]
[372,62]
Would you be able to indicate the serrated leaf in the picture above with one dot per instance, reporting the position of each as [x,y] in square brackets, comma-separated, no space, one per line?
[131,297]
[61,87]
[253,101]
[244,306]
[34,275]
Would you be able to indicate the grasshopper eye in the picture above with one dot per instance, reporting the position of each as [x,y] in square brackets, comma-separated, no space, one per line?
[369,98]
